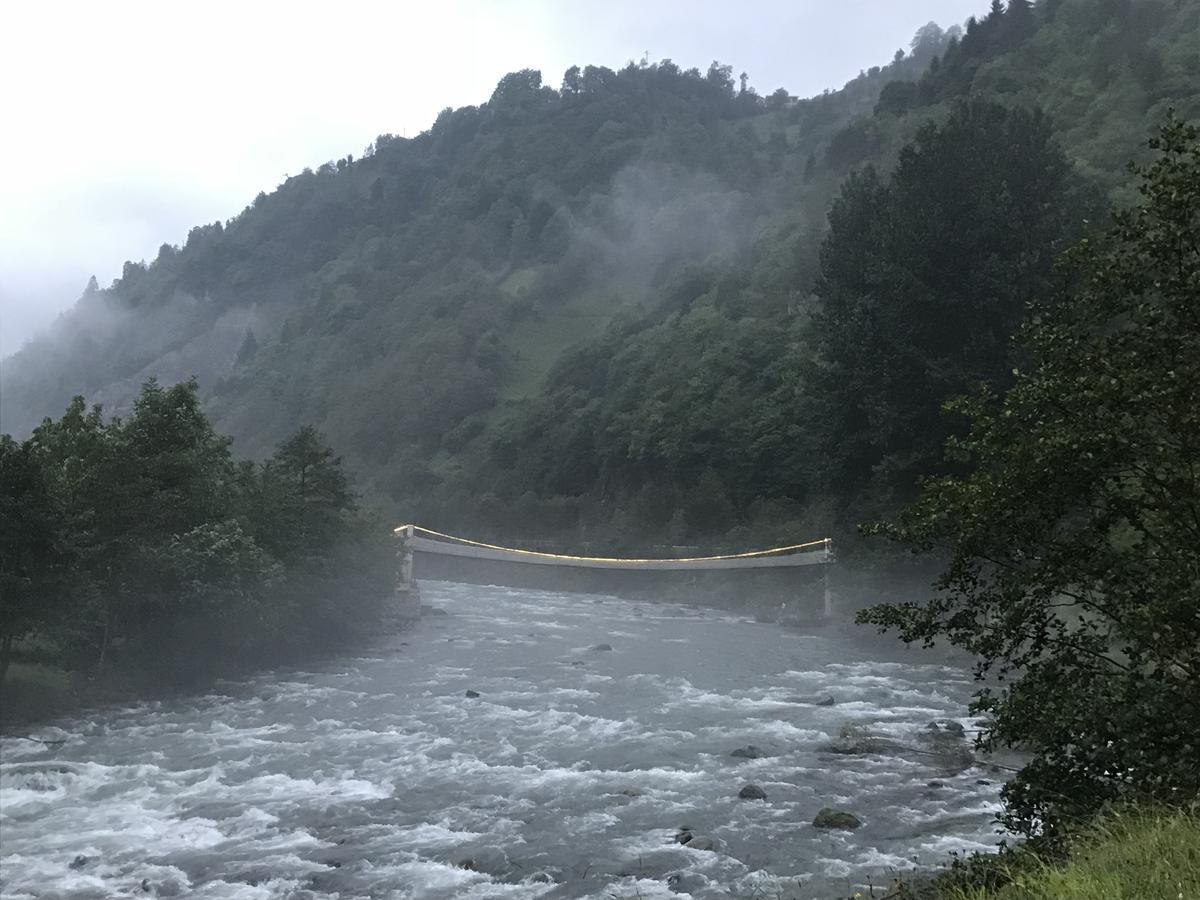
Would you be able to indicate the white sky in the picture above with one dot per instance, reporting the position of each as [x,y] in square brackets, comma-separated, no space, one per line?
[126,123]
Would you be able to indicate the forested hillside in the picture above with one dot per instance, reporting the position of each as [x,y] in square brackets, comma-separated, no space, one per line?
[645,302]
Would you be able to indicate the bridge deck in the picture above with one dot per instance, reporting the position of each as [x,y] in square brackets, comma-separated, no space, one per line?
[819,556]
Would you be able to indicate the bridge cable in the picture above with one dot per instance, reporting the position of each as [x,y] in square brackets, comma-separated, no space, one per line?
[825,542]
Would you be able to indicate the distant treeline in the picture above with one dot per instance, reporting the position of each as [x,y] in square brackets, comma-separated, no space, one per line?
[139,545]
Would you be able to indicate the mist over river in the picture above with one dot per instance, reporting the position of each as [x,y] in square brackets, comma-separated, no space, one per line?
[568,776]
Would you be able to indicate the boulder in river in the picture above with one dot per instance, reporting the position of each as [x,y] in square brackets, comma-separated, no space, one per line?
[813,701]
[701,842]
[854,738]
[752,792]
[686,883]
[836,819]
[683,836]
[471,695]
[750,751]
[602,647]
[79,862]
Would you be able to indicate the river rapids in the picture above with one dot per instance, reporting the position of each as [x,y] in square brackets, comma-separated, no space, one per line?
[568,776]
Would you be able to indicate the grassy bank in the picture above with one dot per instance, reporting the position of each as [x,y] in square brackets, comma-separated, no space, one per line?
[1151,855]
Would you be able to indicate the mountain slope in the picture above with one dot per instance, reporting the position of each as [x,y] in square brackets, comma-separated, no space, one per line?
[392,297]
[418,304]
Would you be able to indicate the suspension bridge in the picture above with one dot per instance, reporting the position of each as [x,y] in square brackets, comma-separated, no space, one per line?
[415,539]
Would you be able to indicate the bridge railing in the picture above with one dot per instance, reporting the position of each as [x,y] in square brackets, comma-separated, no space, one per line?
[415,538]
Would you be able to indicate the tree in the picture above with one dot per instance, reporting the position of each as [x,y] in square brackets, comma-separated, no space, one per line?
[29,548]
[308,495]
[122,491]
[248,349]
[1073,544]
[1019,22]
[83,477]
[572,82]
[924,280]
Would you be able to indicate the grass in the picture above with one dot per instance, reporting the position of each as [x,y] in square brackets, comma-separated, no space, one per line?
[539,340]
[1129,856]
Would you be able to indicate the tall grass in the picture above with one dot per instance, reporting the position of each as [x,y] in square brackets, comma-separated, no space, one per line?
[1129,856]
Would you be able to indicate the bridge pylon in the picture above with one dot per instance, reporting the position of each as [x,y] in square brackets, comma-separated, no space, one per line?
[408,592]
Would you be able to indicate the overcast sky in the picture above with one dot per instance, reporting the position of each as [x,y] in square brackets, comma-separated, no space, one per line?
[126,123]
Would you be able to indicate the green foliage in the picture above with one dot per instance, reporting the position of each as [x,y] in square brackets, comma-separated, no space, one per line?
[138,543]
[1105,71]
[925,276]
[1073,542]
[30,555]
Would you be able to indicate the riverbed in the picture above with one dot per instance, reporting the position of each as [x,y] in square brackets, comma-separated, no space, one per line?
[570,775]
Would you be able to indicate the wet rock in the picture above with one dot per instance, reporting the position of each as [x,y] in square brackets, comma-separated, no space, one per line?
[750,751]
[982,781]
[146,886]
[79,862]
[837,819]
[602,647]
[936,784]
[684,836]
[486,860]
[541,878]
[955,759]
[578,662]
[702,842]
[949,746]
[853,738]
[819,700]
[471,694]
[686,883]
[633,792]
[752,792]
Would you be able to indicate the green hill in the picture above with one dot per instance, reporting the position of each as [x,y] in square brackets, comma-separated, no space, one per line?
[586,307]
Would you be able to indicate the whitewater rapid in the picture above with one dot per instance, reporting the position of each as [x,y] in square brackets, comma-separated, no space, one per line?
[568,776]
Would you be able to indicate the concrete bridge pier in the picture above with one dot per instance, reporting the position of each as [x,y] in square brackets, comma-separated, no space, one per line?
[829,598]
[408,592]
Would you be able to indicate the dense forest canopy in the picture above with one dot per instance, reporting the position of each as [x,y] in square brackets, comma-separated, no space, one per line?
[520,319]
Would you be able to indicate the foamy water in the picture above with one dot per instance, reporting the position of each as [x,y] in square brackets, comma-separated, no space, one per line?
[568,776]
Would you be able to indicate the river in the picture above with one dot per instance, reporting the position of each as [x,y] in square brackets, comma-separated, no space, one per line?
[568,776]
